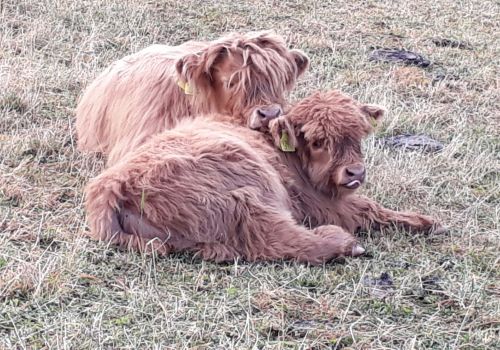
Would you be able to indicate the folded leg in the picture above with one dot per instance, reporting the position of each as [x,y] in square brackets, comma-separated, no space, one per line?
[264,233]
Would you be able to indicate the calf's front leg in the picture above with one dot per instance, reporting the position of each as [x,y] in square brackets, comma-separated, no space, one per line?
[359,212]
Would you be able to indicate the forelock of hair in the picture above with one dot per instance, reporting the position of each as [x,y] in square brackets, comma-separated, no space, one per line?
[330,116]
[266,72]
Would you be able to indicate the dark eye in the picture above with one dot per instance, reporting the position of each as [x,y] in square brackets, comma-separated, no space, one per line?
[317,144]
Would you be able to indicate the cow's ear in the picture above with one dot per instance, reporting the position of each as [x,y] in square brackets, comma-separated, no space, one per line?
[283,134]
[188,73]
[301,60]
[374,113]
[194,71]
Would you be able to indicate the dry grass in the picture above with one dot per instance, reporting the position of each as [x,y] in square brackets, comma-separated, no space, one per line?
[59,290]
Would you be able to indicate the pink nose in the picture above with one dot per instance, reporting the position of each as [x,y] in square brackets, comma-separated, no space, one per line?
[354,176]
[356,172]
[269,112]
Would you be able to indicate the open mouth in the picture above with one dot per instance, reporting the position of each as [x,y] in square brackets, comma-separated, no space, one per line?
[352,185]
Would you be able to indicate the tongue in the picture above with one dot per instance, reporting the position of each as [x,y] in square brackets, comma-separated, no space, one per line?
[353,184]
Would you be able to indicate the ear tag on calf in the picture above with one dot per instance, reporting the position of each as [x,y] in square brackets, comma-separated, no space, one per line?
[185,87]
[373,122]
[285,143]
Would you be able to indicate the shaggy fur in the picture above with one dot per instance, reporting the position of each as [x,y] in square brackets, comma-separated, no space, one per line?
[226,192]
[146,93]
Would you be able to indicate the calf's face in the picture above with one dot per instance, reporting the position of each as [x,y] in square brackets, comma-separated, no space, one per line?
[326,130]
[246,76]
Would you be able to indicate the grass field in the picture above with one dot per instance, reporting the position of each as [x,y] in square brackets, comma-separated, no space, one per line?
[58,290]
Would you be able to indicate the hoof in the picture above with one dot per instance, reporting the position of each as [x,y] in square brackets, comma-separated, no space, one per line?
[357,250]
[439,230]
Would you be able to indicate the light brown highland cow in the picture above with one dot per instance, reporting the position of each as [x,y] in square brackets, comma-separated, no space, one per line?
[153,89]
[225,192]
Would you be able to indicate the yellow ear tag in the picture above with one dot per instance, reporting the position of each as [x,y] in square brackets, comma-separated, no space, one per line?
[373,122]
[185,87]
[285,143]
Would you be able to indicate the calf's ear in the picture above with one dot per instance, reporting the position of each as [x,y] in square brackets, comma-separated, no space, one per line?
[374,113]
[187,69]
[283,134]
[194,71]
[301,60]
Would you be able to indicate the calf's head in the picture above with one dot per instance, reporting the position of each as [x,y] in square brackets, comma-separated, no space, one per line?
[245,75]
[325,131]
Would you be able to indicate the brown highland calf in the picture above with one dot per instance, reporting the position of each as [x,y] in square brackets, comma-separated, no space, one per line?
[151,90]
[224,191]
